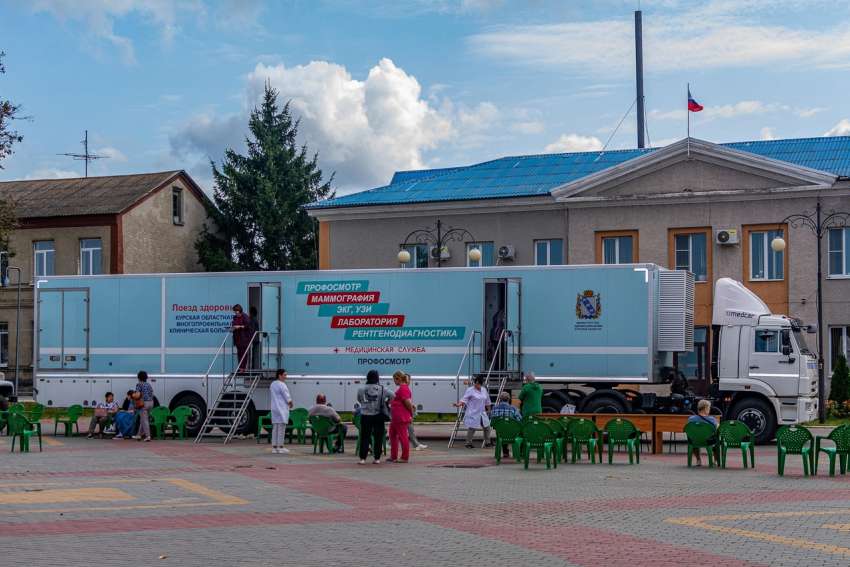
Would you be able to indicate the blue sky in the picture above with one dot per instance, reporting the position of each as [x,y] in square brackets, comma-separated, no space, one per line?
[385,85]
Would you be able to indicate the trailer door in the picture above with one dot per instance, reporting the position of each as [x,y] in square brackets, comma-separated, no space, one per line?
[63,329]
[514,324]
[270,324]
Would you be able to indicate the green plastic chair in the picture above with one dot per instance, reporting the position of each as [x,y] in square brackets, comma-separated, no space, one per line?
[792,440]
[560,433]
[622,432]
[180,416]
[71,415]
[841,437]
[582,432]
[300,425]
[536,434]
[159,421]
[35,413]
[702,435]
[22,429]
[736,435]
[17,407]
[356,421]
[265,424]
[507,433]
[321,436]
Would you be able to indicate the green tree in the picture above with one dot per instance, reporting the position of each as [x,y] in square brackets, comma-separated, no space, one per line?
[8,112]
[255,218]
[839,387]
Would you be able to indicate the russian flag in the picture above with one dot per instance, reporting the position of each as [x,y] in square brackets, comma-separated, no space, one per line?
[693,105]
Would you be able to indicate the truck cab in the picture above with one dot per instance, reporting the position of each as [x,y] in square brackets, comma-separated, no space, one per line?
[764,373]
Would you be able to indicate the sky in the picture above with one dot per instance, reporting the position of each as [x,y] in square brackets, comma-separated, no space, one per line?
[388,85]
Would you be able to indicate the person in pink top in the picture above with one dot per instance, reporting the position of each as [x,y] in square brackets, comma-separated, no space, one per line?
[402,410]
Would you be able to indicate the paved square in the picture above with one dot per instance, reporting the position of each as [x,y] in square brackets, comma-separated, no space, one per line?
[209,504]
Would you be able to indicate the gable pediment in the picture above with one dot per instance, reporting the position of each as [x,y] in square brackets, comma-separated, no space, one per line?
[702,167]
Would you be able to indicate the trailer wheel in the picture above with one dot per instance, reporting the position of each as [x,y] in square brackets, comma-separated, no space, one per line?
[246,425]
[604,404]
[551,405]
[758,416]
[199,412]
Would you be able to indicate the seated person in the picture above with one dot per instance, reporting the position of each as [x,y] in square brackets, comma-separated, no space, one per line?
[703,409]
[125,419]
[505,409]
[321,408]
[101,415]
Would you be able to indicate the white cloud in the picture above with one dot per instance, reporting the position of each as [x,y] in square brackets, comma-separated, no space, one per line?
[52,173]
[364,130]
[768,133]
[113,154]
[663,142]
[574,143]
[807,112]
[701,36]
[726,111]
[528,127]
[841,129]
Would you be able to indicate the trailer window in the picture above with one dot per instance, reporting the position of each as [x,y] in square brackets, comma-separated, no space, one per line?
[766,341]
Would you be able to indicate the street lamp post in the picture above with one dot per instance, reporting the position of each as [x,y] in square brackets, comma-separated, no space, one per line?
[819,225]
[439,239]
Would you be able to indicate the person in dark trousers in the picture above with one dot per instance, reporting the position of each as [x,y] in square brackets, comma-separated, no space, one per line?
[241,335]
[257,344]
[371,397]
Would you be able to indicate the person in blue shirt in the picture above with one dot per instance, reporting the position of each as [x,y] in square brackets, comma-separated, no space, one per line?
[505,409]
[703,409]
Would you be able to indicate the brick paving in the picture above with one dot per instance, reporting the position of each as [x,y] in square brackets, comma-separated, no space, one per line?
[209,505]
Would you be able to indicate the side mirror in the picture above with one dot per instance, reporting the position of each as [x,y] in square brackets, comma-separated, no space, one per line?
[811,329]
[786,350]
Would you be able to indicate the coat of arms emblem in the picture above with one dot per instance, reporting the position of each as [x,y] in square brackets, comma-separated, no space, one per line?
[588,306]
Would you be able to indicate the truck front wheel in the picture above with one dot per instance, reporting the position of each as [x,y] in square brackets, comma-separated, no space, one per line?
[604,404]
[758,416]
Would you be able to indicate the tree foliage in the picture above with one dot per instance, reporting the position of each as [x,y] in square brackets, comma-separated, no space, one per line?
[255,221]
[8,112]
[839,387]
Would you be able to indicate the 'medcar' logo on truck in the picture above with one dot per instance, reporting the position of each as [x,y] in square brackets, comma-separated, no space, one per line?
[740,315]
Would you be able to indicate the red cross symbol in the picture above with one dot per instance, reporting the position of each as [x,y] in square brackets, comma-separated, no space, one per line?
[336,350]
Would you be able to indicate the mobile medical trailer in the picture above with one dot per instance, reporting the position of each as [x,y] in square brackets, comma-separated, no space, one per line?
[597,325]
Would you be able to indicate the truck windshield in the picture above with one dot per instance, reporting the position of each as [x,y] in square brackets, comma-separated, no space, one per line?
[801,341]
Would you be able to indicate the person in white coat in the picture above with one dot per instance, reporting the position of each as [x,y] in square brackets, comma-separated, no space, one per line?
[281,403]
[477,402]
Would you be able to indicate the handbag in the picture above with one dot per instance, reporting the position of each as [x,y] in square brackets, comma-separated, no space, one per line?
[140,402]
[386,412]
[101,412]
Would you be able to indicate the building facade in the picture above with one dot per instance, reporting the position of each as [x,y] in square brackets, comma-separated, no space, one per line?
[125,224]
[666,206]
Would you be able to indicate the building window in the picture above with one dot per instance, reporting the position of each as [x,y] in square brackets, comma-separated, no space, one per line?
[43,258]
[487,256]
[549,252]
[839,248]
[617,250]
[837,345]
[765,264]
[418,256]
[90,257]
[177,205]
[4,344]
[691,254]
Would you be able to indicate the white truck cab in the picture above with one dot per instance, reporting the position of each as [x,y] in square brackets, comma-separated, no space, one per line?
[764,372]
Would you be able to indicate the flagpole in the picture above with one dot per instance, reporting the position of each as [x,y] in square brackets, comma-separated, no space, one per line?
[688,112]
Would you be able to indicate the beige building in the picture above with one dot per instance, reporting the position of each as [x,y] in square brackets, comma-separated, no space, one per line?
[667,206]
[121,224]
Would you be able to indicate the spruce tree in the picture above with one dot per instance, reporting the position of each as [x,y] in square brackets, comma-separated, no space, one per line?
[255,218]
[839,387]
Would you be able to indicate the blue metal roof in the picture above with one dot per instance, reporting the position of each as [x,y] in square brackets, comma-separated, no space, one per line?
[524,176]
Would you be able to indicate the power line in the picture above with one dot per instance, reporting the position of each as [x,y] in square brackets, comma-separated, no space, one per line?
[87,157]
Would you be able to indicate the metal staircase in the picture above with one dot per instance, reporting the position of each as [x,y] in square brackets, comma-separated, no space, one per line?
[500,377]
[230,405]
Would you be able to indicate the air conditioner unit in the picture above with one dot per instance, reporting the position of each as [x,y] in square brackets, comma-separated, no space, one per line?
[507,252]
[727,236]
[444,254]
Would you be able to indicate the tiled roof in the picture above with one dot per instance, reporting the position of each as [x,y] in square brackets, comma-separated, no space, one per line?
[523,176]
[84,195]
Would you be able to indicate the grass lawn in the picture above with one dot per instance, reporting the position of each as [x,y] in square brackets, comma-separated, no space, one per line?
[50,413]
[829,422]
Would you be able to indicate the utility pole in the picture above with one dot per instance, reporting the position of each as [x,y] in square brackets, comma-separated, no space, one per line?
[641,127]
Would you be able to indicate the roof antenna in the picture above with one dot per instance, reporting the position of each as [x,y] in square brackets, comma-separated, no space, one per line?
[641,127]
[87,157]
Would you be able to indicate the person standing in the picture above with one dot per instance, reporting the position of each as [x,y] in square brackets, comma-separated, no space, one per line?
[257,340]
[411,435]
[144,392]
[477,402]
[531,396]
[371,397]
[402,410]
[281,403]
[240,327]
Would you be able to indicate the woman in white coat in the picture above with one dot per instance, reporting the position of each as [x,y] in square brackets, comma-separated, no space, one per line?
[477,402]
[281,403]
